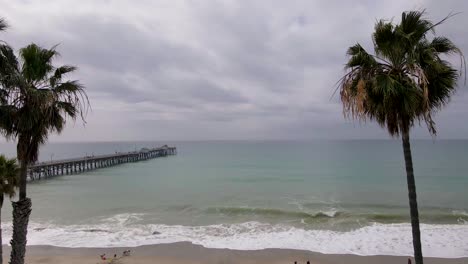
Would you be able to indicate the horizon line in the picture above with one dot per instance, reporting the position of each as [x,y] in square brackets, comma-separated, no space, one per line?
[242,140]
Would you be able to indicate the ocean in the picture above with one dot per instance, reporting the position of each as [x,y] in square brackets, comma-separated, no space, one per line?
[324,196]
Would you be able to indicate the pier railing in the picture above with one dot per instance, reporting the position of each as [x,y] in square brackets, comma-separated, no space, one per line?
[53,168]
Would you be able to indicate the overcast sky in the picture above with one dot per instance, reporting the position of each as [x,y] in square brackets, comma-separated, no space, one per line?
[201,70]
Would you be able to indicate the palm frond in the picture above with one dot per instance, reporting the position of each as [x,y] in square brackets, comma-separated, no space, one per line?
[36,62]
[384,39]
[8,64]
[413,26]
[9,180]
[444,46]
[3,24]
[59,73]
[359,57]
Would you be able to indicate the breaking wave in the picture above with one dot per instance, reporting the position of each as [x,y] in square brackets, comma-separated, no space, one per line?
[374,239]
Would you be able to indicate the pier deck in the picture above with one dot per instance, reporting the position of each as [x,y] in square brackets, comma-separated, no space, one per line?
[53,168]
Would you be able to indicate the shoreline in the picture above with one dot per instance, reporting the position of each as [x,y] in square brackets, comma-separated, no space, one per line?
[440,241]
[186,252]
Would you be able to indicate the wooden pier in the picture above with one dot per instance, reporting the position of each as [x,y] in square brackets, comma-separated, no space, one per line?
[49,169]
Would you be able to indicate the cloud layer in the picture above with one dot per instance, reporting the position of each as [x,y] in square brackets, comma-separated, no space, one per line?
[200,70]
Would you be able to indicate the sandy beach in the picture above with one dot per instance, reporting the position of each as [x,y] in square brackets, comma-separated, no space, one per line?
[188,253]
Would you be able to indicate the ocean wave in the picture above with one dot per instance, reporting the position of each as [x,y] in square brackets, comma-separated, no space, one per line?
[433,218]
[331,214]
[92,230]
[377,239]
[460,212]
[230,211]
[124,219]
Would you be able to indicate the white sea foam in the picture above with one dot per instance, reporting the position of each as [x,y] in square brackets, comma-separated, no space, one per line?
[331,212]
[461,220]
[379,239]
[123,219]
[460,212]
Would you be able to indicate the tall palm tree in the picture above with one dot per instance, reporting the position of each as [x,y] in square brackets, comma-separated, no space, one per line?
[8,184]
[38,103]
[8,167]
[405,81]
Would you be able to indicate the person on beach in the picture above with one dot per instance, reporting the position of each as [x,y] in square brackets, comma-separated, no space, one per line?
[125,253]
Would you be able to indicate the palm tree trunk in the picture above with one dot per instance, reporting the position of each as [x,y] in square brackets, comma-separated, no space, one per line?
[412,199]
[1,241]
[21,212]
[22,180]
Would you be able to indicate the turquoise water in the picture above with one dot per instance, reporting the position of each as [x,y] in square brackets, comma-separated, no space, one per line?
[332,186]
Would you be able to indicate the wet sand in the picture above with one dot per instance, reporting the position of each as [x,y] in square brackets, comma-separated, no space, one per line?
[187,253]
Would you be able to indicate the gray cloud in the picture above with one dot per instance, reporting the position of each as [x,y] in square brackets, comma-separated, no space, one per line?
[220,69]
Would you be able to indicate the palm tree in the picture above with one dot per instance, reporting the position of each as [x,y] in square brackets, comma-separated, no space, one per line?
[8,168]
[8,184]
[3,24]
[38,103]
[406,81]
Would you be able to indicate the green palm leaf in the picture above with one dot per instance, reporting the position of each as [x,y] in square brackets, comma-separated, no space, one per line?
[3,24]
[406,80]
